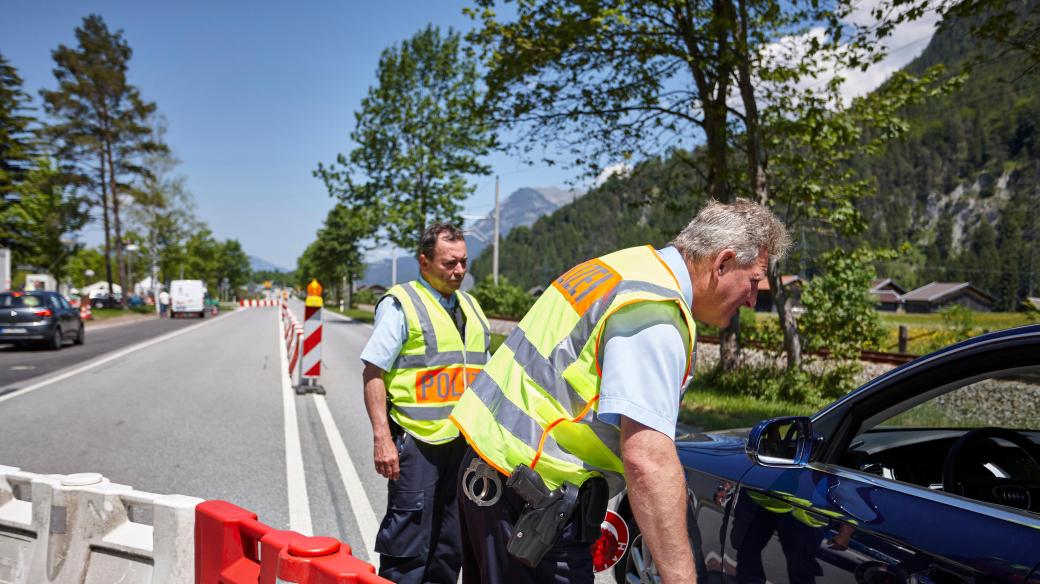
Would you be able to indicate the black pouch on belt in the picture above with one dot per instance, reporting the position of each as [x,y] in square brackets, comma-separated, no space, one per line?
[543,517]
[592,508]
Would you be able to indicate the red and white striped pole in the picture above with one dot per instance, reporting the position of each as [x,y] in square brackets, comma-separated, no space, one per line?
[310,366]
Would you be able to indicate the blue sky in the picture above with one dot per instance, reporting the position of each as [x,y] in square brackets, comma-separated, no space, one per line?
[256,93]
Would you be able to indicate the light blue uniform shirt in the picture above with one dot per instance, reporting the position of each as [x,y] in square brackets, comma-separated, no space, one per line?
[645,349]
[390,331]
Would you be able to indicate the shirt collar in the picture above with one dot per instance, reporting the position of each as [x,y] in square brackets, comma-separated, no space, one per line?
[448,303]
[675,262]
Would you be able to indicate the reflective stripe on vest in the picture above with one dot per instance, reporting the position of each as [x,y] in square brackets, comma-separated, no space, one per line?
[535,402]
[435,364]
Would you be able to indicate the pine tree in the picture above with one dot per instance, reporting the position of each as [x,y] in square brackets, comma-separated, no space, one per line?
[101,126]
[17,147]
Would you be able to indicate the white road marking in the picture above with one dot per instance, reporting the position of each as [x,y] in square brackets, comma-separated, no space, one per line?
[296,480]
[359,502]
[106,359]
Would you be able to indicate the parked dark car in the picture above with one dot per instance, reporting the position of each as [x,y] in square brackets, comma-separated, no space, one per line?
[106,301]
[929,473]
[39,317]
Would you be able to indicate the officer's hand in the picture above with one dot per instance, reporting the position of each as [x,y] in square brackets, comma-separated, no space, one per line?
[386,458]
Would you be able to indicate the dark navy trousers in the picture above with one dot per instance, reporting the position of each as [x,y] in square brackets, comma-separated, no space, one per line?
[486,531]
[418,541]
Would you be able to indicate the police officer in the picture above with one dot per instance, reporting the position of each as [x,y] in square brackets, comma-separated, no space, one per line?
[429,341]
[585,393]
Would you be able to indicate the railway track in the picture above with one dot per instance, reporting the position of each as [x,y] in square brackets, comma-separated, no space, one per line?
[869,356]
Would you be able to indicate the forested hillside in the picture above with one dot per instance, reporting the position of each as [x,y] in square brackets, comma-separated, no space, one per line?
[961,188]
[650,206]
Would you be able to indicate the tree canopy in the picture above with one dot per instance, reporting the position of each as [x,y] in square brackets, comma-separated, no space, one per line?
[419,135]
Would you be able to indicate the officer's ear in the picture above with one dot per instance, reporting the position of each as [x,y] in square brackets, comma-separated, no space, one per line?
[723,263]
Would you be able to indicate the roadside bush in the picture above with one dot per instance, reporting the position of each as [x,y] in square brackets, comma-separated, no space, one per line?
[839,312]
[958,323]
[774,383]
[504,299]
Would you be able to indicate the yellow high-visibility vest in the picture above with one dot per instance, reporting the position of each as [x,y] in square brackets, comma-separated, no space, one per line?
[435,365]
[536,400]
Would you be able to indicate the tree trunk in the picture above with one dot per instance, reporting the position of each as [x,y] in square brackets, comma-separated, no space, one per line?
[718,188]
[783,302]
[758,179]
[117,226]
[350,289]
[104,214]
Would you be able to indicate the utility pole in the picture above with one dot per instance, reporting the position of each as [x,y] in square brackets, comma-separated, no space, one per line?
[494,261]
[393,268]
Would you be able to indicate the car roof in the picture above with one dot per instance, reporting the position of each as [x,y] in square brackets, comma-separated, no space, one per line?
[30,292]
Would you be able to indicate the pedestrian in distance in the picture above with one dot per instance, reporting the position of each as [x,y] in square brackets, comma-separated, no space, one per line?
[583,396]
[164,303]
[428,342]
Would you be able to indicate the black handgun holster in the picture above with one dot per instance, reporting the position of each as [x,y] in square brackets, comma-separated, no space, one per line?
[547,512]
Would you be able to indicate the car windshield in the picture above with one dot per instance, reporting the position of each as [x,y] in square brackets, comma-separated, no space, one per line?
[20,301]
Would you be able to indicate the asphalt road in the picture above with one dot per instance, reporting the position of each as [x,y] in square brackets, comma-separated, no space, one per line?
[207,411]
[18,364]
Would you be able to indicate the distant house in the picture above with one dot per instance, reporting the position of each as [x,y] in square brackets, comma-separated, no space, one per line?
[377,290]
[765,296]
[887,294]
[937,295]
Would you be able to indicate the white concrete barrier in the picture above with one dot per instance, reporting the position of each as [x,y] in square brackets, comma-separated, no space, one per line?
[85,529]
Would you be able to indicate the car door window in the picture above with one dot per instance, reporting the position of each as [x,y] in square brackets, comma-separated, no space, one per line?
[978,438]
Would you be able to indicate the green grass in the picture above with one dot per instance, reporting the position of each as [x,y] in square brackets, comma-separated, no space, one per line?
[707,409]
[107,313]
[983,320]
[355,313]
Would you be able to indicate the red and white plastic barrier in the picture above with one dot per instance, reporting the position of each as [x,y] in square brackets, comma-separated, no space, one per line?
[85,312]
[232,547]
[253,303]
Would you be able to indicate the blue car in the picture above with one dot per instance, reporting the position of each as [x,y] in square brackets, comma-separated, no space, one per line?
[927,474]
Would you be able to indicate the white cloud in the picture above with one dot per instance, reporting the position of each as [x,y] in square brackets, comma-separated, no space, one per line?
[904,44]
[620,169]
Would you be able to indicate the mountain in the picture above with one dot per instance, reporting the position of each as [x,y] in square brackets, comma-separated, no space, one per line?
[261,265]
[962,188]
[520,208]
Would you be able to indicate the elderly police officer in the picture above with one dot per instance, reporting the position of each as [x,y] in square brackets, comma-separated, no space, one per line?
[583,398]
[429,341]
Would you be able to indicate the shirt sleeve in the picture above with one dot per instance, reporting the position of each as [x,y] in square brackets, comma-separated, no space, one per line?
[389,332]
[645,351]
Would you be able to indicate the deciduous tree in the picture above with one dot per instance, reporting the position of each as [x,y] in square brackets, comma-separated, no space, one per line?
[418,135]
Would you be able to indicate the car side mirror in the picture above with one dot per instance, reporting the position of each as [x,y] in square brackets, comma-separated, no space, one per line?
[781,442]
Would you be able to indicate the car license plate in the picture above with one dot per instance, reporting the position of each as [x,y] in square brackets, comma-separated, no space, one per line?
[8,331]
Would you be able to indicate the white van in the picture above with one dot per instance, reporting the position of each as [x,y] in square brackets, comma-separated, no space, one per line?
[187,296]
